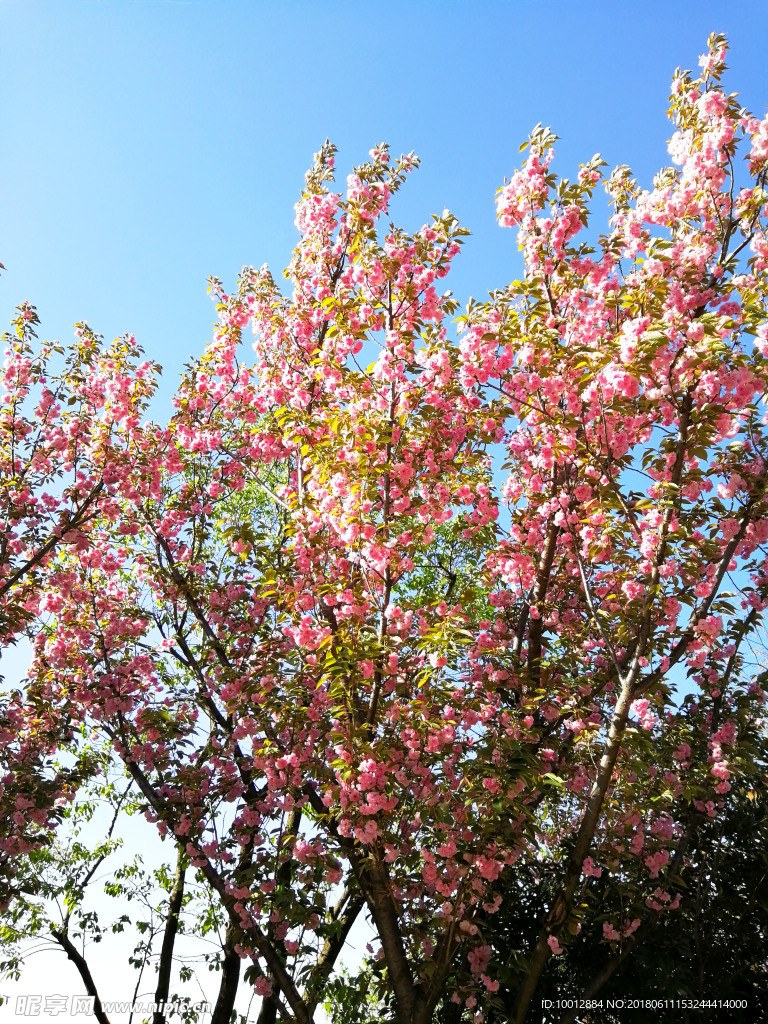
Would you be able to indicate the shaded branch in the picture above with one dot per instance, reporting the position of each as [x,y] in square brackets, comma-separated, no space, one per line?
[83,970]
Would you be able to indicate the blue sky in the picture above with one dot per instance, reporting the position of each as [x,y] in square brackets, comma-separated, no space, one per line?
[147,144]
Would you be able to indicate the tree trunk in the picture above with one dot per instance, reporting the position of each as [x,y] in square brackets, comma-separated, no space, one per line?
[169,939]
[230,980]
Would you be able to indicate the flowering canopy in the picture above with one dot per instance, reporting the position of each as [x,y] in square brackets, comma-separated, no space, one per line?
[352,664]
[56,428]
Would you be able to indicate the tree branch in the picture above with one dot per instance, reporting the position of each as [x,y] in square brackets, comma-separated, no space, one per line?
[84,971]
[169,937]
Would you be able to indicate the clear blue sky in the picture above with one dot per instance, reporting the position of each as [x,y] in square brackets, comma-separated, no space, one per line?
[149,143]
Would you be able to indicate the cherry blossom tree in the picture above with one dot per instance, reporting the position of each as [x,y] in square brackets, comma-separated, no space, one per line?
[393,623]
[60,414]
